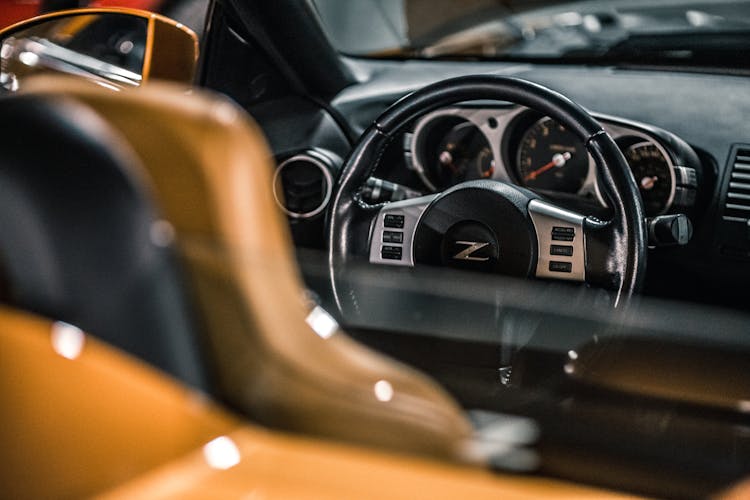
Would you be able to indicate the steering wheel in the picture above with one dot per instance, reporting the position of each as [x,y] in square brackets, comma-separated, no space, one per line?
[488,225]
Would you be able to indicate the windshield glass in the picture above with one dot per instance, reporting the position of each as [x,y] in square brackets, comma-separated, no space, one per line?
[705,32]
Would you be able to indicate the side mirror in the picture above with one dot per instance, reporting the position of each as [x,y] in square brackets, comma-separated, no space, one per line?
[112,47]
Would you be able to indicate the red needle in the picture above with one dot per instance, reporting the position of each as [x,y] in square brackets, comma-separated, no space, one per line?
[557,161]
[534,173]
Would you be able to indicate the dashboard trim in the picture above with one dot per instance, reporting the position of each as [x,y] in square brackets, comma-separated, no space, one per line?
[307,157]
[546,219]
[496,123]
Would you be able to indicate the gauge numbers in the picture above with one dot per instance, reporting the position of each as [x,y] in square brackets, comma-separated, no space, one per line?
[653,175]
[551,158]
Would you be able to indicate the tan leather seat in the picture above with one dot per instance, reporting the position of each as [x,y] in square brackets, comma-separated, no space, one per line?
[79,417]
[211,175]
[82,419]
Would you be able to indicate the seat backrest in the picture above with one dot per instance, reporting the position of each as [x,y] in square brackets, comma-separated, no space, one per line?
[81,241]
[211,174]
[80,417]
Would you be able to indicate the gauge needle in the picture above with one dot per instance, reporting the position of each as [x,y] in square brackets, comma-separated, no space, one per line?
[446,158]
[558,160]
[648,182]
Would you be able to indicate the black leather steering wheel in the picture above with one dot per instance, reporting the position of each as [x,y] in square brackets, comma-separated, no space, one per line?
[489,225]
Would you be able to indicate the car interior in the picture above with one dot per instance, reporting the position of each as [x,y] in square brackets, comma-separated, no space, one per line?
[533,266]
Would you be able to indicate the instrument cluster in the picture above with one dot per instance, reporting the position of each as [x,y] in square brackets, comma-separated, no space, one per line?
[517,145]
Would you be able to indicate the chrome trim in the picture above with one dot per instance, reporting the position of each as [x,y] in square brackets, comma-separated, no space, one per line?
[328,191]
[503,115]
[468,252]
[672,177]
[545,217]
[480,118]
[412,210]
[589,182]
[731,218]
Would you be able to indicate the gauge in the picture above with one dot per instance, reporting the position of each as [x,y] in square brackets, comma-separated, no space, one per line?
[457,151]
[551,158]
[654,176]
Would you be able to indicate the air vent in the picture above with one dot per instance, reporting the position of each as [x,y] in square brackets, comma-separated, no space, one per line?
[737,203]
[302,186]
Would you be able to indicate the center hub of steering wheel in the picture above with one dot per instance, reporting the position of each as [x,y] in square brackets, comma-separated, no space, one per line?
[479,225]
[470,245]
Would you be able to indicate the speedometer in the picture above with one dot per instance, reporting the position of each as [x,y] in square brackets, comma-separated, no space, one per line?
[654,176]
[551,158]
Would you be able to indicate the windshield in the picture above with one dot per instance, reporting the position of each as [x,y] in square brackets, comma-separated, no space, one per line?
[697,32]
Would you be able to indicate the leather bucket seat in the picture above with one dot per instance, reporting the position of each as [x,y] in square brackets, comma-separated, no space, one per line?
[204,165]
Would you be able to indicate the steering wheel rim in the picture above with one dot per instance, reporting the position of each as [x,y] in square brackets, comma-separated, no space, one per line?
[624,235]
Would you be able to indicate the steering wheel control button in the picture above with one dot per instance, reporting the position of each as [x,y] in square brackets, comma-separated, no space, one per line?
[395,225]
[393,237]
[563,233]
[554,224]
[564,250]
[391,252]
[395,221]
[560,267]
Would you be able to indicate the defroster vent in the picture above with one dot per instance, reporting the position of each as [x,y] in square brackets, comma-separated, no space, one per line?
[737,202]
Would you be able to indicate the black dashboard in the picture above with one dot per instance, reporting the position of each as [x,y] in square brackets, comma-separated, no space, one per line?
[684,133]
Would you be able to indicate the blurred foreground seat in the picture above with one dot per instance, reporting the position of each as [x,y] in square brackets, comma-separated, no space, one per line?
[205,168]
[81,419]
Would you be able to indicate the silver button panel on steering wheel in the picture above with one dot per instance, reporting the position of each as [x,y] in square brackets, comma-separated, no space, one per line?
[559,233]
[392,237]
[561,242]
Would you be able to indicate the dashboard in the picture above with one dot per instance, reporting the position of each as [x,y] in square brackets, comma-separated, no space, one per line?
[519,146]
[684,134]
[693,122]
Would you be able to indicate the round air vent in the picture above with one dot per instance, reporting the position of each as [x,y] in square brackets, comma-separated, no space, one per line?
[303,184]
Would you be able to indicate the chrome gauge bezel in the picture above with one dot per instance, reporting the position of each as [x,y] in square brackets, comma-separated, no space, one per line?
[480,117]
[671,168]
[499,122]
[589,185]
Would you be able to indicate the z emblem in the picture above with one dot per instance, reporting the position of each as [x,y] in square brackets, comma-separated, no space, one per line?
[471,248]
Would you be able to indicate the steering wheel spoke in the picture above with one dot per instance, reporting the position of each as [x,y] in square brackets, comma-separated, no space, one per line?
[392,236]
[561,242]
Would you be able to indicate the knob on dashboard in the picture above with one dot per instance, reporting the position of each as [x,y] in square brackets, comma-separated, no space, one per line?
[669,230]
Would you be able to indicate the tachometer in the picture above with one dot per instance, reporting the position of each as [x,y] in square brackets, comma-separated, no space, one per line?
[463,154]
[551,158]
[654,176]
[449,150]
